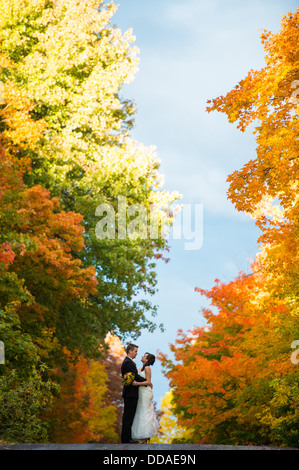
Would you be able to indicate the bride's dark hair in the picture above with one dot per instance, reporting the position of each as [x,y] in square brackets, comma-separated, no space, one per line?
[150,360]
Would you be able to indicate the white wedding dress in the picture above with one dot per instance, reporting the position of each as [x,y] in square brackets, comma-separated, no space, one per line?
[145,424]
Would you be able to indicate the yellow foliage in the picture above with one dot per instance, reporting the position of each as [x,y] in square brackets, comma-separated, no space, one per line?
[169,430]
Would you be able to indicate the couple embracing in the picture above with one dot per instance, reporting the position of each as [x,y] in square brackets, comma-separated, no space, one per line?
[139,420]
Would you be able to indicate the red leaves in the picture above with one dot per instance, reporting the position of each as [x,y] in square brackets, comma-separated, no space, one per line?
[7,255]
[40,239]
[217,366]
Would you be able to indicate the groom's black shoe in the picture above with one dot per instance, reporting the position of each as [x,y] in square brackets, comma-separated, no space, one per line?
[131,441]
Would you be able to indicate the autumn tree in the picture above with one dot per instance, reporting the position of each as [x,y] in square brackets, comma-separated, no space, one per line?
[38,275]
[22,392]
[66,149]
[72,64]
[233,379]
[82,412]
[169,431]
[89,407]
[267,186]
[225,375]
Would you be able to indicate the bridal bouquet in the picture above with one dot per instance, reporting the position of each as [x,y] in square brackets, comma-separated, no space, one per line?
[128,378]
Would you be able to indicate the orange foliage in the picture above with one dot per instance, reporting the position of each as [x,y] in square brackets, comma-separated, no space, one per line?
[268,99]
[267,96]
[88,407]
[221,373]
[38,240]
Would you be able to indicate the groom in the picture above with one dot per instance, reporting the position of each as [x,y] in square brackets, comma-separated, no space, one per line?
[130,393]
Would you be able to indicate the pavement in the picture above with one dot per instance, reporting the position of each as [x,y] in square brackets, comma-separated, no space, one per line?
[137,447]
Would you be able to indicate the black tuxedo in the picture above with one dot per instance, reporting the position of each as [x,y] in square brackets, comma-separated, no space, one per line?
[130,396]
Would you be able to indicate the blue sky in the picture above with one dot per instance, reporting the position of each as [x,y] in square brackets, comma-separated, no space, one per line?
[192,51]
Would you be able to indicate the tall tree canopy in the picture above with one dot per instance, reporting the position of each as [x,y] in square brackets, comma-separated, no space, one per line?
[72,63]
[66,150]
[228,376]
[233,380]
[267,186]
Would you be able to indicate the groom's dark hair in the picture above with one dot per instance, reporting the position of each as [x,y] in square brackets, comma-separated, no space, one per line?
[131,347]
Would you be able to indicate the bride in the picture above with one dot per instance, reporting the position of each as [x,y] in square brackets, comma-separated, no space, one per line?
[145,424]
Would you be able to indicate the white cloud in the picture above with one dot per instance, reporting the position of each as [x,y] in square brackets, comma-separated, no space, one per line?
[205,186]
[198,150]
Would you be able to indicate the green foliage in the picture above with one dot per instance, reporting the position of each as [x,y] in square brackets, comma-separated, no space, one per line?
[21,402]
[72,64]
[66,149]
[282,413]
[20,352]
